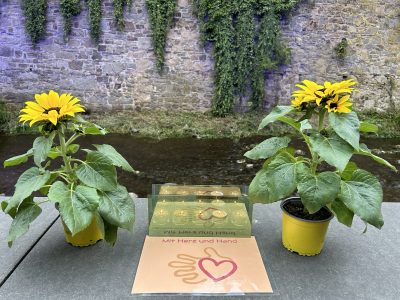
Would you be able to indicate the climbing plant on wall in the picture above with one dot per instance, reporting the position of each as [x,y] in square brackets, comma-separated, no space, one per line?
[69,8]
[247,43]
[161,14]
[35,12]
[119,6]
[95,14]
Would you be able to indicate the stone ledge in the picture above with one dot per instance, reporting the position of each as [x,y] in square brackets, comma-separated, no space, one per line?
[351,266]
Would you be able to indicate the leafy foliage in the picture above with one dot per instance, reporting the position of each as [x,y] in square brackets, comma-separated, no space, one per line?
[247,41]
[341,48]
[69,9]
[35,12]
[82,190]
[161,14]
[347,190]
[119,6]
[95,14]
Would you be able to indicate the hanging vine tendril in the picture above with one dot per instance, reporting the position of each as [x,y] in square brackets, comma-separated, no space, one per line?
[35,12]
[247,43]
[69,8]
[161,13]
[95,14]
[119,6]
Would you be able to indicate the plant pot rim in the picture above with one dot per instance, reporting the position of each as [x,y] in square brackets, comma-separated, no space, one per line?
[283,202]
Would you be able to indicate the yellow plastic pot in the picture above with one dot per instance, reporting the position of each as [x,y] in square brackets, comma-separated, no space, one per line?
[90,236]
[304,237]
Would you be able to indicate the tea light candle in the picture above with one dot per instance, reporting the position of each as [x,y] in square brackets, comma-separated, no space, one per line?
[166,191]
[197,216]
[162,203]
[182,192]
[181,217]
[216,193]
[239,218]
[218,202]
[161,216]
[219,214]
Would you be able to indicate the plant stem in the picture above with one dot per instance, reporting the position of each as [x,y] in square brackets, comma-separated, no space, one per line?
[72,138]
[62,175]
[41,202]
[78,160]
[321,119]
[314,156]
[66,159]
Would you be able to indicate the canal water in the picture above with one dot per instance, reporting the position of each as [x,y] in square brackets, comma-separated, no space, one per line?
[194,161]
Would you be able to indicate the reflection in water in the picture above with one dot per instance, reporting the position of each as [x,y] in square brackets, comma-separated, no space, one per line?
[191,161]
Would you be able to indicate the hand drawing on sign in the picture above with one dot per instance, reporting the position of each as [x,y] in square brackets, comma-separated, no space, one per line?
[195,270]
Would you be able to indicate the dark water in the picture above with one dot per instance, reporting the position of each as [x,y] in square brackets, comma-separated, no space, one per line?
[191,161]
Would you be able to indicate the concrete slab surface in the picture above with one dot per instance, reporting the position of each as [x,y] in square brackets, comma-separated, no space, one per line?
[9,257]
[352,265]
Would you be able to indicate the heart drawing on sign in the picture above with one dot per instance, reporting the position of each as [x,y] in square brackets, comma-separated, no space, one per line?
[217,270]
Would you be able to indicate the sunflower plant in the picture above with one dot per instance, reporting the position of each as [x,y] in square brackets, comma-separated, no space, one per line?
[82,190]
[322,116]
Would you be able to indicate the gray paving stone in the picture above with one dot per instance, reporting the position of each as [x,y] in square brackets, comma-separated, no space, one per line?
[9,257]
[351,266]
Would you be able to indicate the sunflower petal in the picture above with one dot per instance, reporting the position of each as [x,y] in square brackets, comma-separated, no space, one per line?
[42,100]
[344,99]
[34,105]
[53,99]
[52,116]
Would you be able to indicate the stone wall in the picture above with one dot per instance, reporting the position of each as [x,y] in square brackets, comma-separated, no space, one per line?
[372,29]
[119,73]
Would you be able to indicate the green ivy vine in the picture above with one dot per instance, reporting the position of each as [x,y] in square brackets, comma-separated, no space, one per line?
[94,7]
[341,49]
[69,9]
[35,12]
[119,6]
[161,14]
[247,43]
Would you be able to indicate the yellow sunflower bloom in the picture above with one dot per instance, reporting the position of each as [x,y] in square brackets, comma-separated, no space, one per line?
[307,91]
[297,102]
[50,107]
[340,87]
[342,105]
[324,94]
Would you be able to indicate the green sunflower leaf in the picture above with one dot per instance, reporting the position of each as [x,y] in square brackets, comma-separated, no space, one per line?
[276,180]
[41,148]
[362,194]
[368,127]
[117,159]
[31,180]
[27,213]
[268,148]
[76,205]
[318,190]
[346,126]
[117,208]
[349,170]
[56,151]
[343,214]
[366,152]
[93,129]
[17,160]
[333,149]
[98,172]
[278,111]
[110,233]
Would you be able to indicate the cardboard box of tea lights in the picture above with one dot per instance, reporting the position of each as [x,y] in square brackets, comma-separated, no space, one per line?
[207,211]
